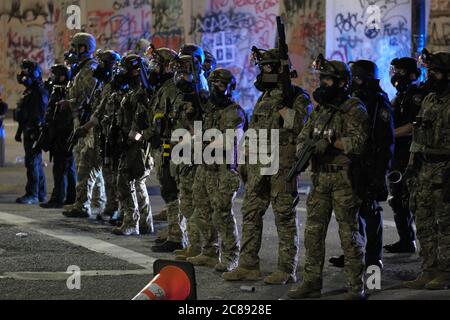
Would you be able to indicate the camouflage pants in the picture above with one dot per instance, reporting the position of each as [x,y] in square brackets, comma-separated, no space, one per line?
[185,185]
[110,177]
[260,192]
[430,201]
[214,192]
[90,184]
[169,193]
[333,191]
[133,198]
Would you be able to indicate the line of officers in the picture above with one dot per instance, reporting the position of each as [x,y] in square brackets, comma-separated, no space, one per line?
[110,120]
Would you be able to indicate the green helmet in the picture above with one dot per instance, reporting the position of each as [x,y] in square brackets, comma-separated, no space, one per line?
[263,57]
[332,68]
[163,56]
[224,76]
[84,39]
[193,50]
[108,56]
[439,60]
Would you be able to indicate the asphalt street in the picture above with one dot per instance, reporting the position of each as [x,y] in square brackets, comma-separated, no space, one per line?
[37,246]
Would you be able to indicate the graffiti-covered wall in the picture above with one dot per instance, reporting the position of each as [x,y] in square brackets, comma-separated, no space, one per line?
[36,29]
[439,25]
[377,30]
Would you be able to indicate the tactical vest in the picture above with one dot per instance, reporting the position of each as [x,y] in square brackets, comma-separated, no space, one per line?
[431,132]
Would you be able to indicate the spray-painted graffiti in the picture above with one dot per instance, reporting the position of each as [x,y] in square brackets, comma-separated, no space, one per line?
[168,28]
[32,13]
[439,26]
[229,29]
[305,21]
[374,30]
[120,30]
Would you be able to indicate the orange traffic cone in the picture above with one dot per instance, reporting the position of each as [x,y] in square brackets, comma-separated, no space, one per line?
[174,280]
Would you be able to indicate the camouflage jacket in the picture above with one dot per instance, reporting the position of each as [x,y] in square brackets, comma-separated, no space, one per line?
[431,131]
[266,116]
[350,123]
[80,89]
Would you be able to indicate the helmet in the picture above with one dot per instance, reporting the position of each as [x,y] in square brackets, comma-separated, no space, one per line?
[193,50]
[31,69]
[163,56]
[364,69]
[141,46]
[224,77]
[109,57]
[84,39]
[131,62]
[59,70]
[438,61]
[332,68]
[406,63]
[211,60]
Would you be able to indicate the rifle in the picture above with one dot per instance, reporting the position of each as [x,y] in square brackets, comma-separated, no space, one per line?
[306,153]
[86,109]
[286,74]
[111,149]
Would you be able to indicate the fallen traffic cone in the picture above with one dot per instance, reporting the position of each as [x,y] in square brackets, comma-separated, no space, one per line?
[174,280]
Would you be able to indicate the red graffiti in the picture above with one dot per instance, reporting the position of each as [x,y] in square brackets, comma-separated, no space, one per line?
[24,47]
[167,40]
[216,5]
[260,5]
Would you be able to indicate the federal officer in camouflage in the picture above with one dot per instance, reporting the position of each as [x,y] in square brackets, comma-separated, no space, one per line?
[216,184]
[376,160]
[340,127]
[265,188]
[159,135]
[429,175]
[135,161]
[182,107]
[106,90]
[80,92]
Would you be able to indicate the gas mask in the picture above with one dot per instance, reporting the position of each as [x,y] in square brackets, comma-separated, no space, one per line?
[267,79]
[438,85]
[103,72]
[399,79]
[154,74]
[219,93]
[120,77]
[24,79]
[185,73]
[325,93]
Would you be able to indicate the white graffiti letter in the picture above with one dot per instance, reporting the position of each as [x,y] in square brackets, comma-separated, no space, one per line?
[74,280]
[373,21]
[74,17]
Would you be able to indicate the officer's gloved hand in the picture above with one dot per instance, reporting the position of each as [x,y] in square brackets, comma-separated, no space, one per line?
[18,136]
[142,121]
[321,146]
[81,132]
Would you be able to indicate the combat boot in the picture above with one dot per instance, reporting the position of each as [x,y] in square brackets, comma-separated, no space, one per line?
[280,277]
[440,282]
[183,254]
[226,265]
[203,260]
[162,236]
[77,213]
[125,230]
[242,274]
[162,216]
[421,280]
[307,290]
[168,246]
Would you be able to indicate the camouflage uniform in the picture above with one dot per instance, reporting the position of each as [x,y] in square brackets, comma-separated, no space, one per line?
[214,190]
[263,190]
[79,90]
[334,189]
[165,171]
[134,168]
[430,191]
[103,117]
